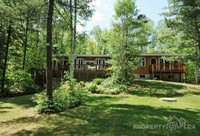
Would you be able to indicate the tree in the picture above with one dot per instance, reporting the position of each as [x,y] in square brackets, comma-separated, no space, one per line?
[49,49]
[184,16]
[100,37]
[125,41]
[20,45]
[76,11]
[168,40]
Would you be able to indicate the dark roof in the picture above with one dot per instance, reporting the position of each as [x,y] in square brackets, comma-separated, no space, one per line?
[82,55]
[161,54]
[103,55]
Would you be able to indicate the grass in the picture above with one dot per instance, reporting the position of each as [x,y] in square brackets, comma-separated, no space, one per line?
[162,88]
[108,115]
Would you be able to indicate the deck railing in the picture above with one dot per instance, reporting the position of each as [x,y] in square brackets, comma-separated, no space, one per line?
[171,67]
[86,67]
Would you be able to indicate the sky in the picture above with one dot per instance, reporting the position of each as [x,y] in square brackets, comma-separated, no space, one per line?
[104,10]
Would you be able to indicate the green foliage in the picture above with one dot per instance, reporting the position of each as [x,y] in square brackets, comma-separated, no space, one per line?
[104,86]
[98,81]
[27,47]
[125,41]
[105,115]
[92,86]
[43,104]
[168,39]
[68,95]
[183,16]
[159,89]
[190,75]
[101,39]
[20,81]
[107,87]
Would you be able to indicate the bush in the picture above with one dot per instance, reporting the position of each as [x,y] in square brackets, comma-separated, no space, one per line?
[92,86]
[104,86]
[108,87]
[97,81]
[19,82]
[66,96]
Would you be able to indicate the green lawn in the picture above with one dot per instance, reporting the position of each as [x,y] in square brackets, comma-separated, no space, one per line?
[109,115]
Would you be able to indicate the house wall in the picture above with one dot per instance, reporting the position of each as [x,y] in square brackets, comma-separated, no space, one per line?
[142,72]
[88,75]
[146,69]
[80,73]
[176,77]
[142,76]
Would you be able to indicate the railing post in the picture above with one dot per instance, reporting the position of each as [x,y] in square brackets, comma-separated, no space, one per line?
[152,69]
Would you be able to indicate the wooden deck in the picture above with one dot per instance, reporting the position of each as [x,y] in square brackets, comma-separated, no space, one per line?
[168,72]
[95,67]
[168,68]
[84,72]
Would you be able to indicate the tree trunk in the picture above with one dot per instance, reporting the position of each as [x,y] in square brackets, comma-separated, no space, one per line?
[6,57]
[71,41]
[75,20]
[25,42]
[49,49]
[197,73]
[197,63]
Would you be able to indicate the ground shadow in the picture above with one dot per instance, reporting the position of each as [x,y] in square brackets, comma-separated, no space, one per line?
[157,89]
[104,118]
[25,101]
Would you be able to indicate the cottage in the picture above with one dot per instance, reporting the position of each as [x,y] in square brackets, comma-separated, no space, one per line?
[161,67]
[88,67]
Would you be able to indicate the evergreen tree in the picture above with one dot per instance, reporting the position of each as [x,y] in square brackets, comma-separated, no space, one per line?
[184,16]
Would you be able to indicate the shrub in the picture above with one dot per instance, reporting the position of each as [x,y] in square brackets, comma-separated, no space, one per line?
[97,81]
[108,87]
[44,105]
[19,82]
[104,86]
[93,86]
[66,96]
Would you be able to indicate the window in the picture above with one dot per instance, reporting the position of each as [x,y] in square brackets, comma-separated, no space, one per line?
[142,76]
[170,77]
[100,63]
[156,76]
[153,60]
[143,62]
[78,64]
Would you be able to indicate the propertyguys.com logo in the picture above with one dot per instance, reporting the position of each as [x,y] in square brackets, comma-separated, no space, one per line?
[173,123]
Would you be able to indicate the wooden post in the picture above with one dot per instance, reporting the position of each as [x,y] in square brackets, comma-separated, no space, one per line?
[96,72]
[160,76]
[171,75]
[152,71]
[79,76]
[87,75]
